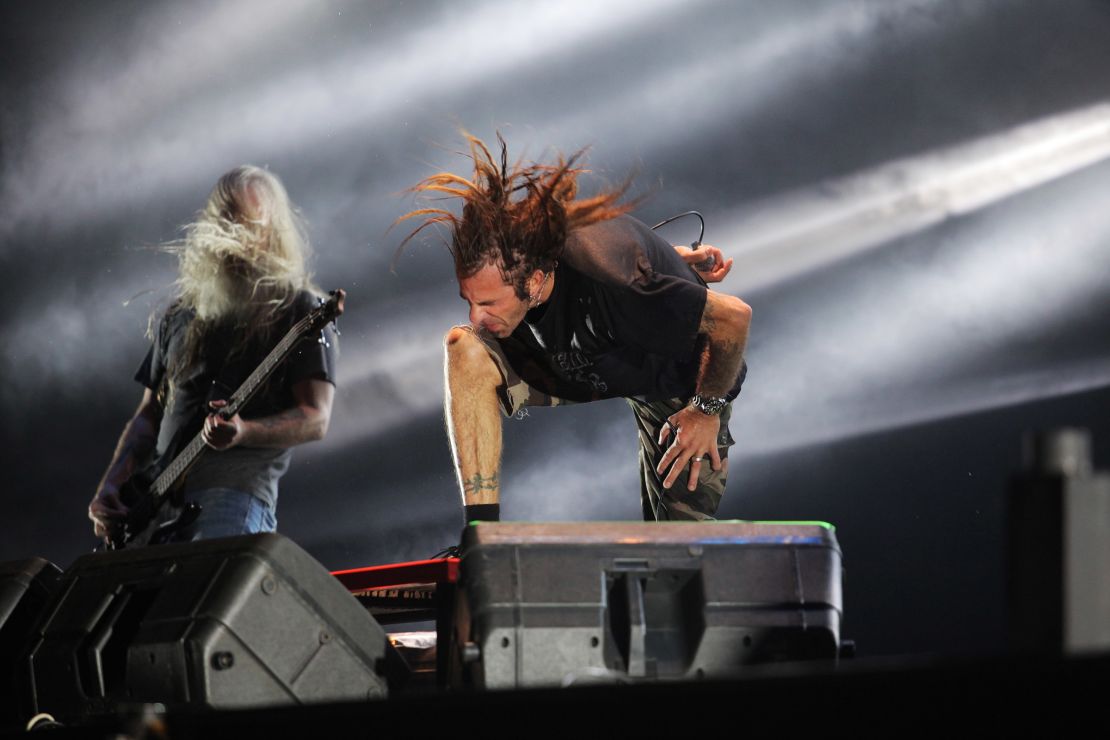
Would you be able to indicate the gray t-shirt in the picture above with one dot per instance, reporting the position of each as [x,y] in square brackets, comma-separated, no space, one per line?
[216,374]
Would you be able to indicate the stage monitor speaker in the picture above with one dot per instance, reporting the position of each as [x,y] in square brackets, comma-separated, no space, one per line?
[560,603]
[25,587]
[237,622]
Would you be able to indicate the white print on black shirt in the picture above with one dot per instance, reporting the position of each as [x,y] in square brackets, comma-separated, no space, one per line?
[574,366]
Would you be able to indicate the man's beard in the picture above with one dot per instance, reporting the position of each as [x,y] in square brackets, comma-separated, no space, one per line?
[237,291]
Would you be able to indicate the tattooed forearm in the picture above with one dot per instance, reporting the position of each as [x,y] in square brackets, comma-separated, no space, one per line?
[294,415]
[293,426]
[724,324]
[719,368]
[708,320]
[135,443]
[480,483]
[127,456]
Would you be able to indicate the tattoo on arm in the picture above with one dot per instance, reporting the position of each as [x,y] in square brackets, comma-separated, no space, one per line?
[124,461]
[278,420]
[135,443]
[720,365]
[287,428]
[721,353]
[708,319]
[481,483]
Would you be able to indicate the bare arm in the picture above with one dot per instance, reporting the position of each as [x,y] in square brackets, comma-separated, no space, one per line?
[135,443]
[307,420]
[724,323]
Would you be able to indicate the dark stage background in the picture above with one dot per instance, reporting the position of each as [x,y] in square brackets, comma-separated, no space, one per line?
[916,194]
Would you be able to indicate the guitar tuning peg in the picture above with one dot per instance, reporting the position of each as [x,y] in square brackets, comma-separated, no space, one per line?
[323,339]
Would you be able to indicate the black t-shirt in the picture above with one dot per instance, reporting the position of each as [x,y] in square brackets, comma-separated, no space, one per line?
[216,374]
[622,320]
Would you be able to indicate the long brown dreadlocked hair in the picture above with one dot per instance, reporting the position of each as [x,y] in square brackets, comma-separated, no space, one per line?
[516,218]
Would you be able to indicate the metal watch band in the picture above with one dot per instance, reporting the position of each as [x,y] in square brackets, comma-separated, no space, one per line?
[708,404]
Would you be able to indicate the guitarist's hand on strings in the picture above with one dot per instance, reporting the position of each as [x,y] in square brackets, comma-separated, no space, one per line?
[220,433]
[106,511]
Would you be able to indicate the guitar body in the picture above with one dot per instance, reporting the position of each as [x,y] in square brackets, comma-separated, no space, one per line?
[147,490]
[135,495]
[140,528]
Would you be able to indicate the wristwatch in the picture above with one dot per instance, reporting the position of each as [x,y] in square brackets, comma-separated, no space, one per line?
[708,404]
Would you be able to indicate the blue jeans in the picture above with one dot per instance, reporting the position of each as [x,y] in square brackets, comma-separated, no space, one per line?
[225,512]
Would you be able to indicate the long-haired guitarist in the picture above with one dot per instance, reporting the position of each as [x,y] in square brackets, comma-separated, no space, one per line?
[242,283]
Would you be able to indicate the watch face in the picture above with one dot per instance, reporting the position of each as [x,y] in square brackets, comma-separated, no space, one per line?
[711,406]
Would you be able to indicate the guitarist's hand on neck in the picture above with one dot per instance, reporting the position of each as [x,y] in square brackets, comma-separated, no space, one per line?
[220,433]
[306,421]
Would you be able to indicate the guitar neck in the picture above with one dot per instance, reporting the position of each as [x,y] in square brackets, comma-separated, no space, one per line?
[277,355]
[196,447]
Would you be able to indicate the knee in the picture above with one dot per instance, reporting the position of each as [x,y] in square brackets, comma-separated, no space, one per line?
[458,337]
[462,349]
[466,356]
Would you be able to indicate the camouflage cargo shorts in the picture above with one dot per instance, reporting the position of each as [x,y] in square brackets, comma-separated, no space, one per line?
[659,504]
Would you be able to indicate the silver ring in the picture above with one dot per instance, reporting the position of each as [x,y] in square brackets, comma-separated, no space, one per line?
[698,459]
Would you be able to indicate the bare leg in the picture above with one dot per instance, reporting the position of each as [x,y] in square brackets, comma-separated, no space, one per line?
[473,416]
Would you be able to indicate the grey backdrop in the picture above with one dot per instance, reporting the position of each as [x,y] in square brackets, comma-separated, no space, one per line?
[914,192]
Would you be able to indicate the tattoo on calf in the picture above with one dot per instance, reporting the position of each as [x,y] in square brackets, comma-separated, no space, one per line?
[481,483]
